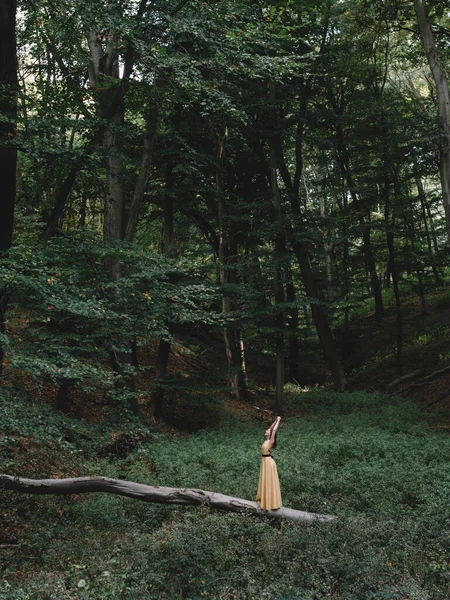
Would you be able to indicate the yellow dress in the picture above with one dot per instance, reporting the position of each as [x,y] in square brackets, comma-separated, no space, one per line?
[269,493]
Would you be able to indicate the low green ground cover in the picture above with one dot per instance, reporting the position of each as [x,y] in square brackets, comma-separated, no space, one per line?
[366,458]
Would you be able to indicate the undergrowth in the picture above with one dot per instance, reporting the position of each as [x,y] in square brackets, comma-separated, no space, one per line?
[366,458]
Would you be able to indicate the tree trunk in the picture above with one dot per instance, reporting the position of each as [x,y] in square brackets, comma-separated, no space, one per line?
[327,246]
[113,215]
[8,110]
[280,249]
[390,228]
[234,348]
[324,333]
[109,92]
[345,262]
[157,494]
[62,396]
[8,150]
[162,359]
[425,213]
[144,173]
[443,101]
[60,203]
[398,306]
[293,324]
[170,250]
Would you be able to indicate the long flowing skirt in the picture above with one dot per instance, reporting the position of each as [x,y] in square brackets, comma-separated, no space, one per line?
[269,493]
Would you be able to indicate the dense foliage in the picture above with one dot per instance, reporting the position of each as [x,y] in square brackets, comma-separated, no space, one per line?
[288,152]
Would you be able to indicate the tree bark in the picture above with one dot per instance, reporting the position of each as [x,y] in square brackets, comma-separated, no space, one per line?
[425,213]
[109,90]
[390,228]
[280,248]
[157,494]
[407,377]
[234,347]
[170,250]
[327,246]
[8,110]
[346,261]
[443,101]
[8,150]
[144,173]
[162,359]
[293,324]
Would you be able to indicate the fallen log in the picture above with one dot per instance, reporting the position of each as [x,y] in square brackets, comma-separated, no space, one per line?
[428,379]
[403,378]
[150,493]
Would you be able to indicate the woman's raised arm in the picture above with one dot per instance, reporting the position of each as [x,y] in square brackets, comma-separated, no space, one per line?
[274,428]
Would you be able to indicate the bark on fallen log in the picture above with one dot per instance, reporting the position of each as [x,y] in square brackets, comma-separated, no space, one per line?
[428,379]
[149,493]
[404,378]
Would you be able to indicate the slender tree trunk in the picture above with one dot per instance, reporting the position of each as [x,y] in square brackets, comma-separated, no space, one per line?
[60,203]
[83,212]
[8,150]
[236,340]
[390,228]
[324,333]
[280,248]
[443,101]
[345,261]
[130,230]
[144,173]
[293,324]
[162,359]
[113,230]
[62,396]
[8,111]
[327,247]
[398,306]
[424,206]
[170,250]
[234,348]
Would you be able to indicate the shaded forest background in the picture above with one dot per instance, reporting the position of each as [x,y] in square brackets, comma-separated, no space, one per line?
[237,179]
[212,212]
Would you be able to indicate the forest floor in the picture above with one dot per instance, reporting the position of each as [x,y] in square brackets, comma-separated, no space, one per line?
[425,372]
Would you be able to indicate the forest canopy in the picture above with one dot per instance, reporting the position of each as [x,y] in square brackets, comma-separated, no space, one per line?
[191,170]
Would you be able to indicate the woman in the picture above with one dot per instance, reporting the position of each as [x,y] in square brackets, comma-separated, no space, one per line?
[269,494]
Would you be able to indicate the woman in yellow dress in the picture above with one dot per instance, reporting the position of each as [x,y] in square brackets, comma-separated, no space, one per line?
[269,493]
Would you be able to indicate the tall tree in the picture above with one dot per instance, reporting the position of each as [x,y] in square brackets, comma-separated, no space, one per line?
[8,150]
[443,101]
[8,114]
